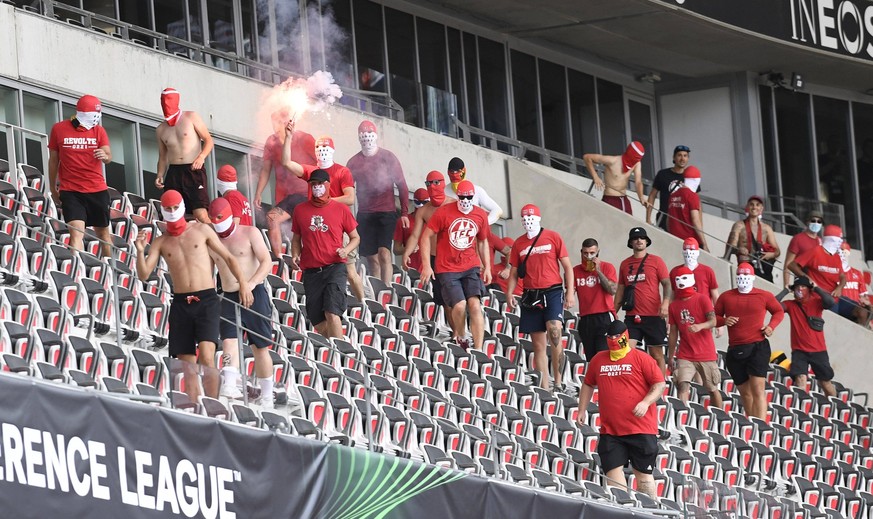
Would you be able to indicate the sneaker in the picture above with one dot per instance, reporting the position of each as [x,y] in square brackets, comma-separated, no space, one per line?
[266,404]
[231,392]
[464,342]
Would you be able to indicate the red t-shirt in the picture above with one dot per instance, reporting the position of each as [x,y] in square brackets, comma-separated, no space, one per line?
[647,292]
[457,235]
[592,297]
[696,347]
[751,309]
[496,244]
[855,286]
[340,178]
[821,267]
[376,177]
[802,242]
[78,170]
[804,338]
[622,385]
[682,202]
[704,279]
[302,152]
[544,265]
[401,235]
[240,206]
[321,232]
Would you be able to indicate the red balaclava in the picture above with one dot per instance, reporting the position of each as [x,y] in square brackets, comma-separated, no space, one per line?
[175,220]
[436,191]
[684,280]
[221,215]
[170,106]
[632,155]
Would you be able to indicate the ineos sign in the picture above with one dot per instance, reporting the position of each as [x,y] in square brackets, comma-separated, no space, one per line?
[836,25]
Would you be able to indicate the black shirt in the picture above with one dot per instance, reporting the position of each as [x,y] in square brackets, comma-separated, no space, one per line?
[662,183]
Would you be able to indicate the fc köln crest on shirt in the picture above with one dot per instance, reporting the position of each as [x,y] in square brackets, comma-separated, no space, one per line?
[462,233]
[316,223]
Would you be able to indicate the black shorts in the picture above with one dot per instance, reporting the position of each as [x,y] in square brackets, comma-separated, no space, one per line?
[651,329]
[535,319]
[194,318]
[91,208]
[460,286]
[640,449]
[819,360]
[377,231]
[255,318]
[592,332]
[748,360]
[436,285]
[326,289]
[288,203]
[190,183]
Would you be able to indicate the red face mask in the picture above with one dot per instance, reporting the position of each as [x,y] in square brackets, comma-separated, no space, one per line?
[632,155]
[617,343]
[437,191]
[170,106]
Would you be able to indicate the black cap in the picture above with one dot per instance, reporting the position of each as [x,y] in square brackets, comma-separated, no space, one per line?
[456,164]
[616,328]
[319,175]
[637,232]
[801,281]
[681,147]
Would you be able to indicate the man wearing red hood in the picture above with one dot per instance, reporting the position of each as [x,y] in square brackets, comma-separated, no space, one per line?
[195,311]
[617,171]
[183,144]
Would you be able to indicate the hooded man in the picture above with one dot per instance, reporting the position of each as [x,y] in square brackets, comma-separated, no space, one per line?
[541,255]
[184,143]
[822,265]
[462,262]
[617,171]
[457,173]
[377,172]
[246,244]
[743,310]
[808,238]
[78,149]
[194,313]
[704,276]
[691,315]
[754,241]
[808,348]
[226,184]
[629,383]
[401,234]
[684,214]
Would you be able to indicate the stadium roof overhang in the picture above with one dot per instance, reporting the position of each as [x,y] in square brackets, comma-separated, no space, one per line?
[697,38]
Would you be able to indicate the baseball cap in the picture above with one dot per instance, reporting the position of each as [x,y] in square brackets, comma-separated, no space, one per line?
[319,175]
[755,197]
[616,328]
[833,230]
[227,173]
[530,210]
[681,147]
[745,269]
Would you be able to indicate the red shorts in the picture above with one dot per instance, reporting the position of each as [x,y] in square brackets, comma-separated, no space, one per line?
[619,202]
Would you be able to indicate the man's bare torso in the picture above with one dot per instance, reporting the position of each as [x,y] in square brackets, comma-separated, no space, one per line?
[743,240]
[426,212]
[182,142]
[240,246]
[188,259]
[614,179]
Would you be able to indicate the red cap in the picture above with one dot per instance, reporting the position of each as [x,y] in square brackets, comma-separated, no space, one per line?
[745,269]
[366,127]
[833,230]
[324,141]
[88,103]
[227,173]
[530,210]
[435,175]
[466,188]
[690,243]
[220,210]
[755,197]
[420,194]
[691,172]
[171,198]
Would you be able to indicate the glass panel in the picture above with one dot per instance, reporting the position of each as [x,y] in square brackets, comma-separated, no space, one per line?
[196,23]
[8,114]
[288,35]
[148,144]
[471,72]
[456,64]
[768,133]
[249,30]
[641,130]
[135,12]
[553,103]
[401,62]
[369,45]
[863,115]
[795,148]
[337,30]
[835,160]
[170,20]
[524,99]
[431,53]
[583,113]
[40,113]
[613,137]
[122,173]
[262,18]
[439,107]
[495,102]
[221,31]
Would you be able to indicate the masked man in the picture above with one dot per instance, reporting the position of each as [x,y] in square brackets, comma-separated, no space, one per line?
[617,171]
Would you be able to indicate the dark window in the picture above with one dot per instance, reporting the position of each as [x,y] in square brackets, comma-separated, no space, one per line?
[641,130]
[337,25]
[135,12]
[471,73]
[221,28]
[553,102]
[836,184]
[369,45]
[492,71]
[583,113]
[170,18]
[401,62]
[768,133]
[610,98]
[524,95]
[431,53]
[289,36]
[456,70]
[249,29]
[795,155]
[863,115]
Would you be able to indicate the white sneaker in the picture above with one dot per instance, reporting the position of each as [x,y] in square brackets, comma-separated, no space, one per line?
[265,403]
[231,392]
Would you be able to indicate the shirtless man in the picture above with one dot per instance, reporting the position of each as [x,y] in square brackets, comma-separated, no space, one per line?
[617,170]
[761,251]
[195,311]
[246,244]
[179,145]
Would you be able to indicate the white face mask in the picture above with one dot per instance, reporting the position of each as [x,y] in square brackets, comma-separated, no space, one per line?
[324,156]
[88,120]
[844,257]
[815,227]
[368,143]
[745,283]
[831,244]
[465,206]
[319,190]
[690,256]
[685,281]
[223,226]
[531,224]
[174,216]
[692,183]
[224,187]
